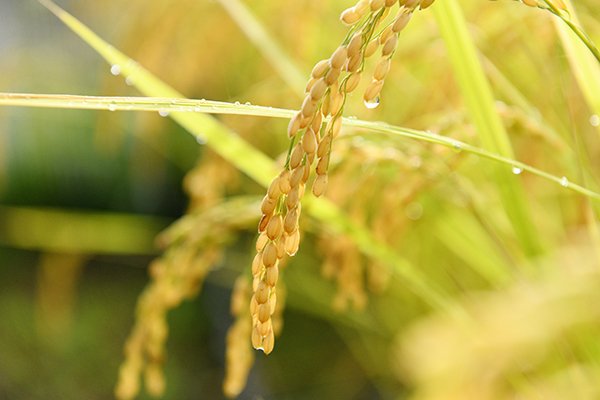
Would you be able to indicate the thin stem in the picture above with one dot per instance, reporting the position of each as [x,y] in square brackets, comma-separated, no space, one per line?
[576,29]
[155,104]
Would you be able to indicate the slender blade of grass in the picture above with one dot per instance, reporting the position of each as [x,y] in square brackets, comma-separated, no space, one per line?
[572,22]
[257,165]
[178,105]
[505,87]
[586,68]
[479,101]
[584,65]
[465,237]
[254,30]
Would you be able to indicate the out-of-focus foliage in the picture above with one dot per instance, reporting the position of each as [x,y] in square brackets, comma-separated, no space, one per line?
[88,190]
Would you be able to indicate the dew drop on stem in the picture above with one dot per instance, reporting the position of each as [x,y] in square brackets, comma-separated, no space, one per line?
[564,182]
[517,170]
[200,139]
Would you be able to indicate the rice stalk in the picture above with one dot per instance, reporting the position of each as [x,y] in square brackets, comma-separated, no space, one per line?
[255,164]
[565,11]
[585,68]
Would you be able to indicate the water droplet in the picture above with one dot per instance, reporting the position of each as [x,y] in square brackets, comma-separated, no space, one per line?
[457,146]
[115,69]
[247,103]
[595,120]
[414,211]
[415,162]
[517,170]
[129,81]
[200,139]
[237,103]
[112,106]
[371,104]
[163,113]
[564,181]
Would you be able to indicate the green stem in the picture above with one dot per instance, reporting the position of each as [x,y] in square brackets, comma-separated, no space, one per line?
[576,29]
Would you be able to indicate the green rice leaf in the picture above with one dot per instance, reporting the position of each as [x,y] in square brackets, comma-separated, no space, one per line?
[479,101]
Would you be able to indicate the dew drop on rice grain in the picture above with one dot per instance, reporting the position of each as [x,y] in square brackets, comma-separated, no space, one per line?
[373,103]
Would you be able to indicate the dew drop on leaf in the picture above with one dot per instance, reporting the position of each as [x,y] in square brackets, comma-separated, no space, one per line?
[200,139]
[115,69]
